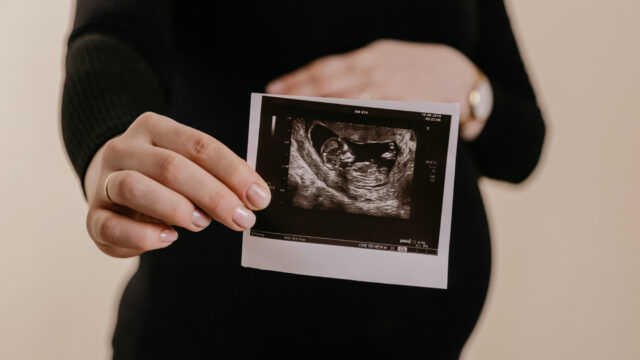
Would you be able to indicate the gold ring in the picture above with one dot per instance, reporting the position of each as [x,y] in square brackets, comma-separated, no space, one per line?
[106,189]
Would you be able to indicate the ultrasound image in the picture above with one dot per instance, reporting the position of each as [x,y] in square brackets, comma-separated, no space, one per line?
[358,169]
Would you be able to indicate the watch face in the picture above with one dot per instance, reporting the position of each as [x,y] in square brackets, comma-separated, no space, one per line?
[481,100]
[481,104]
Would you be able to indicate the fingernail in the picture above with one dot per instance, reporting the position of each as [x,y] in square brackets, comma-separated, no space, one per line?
[199,219]
[275,87]
[169,236]
[244,218]
[258,196]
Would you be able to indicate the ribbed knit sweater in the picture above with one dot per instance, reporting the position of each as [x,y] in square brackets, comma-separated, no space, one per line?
[198,62]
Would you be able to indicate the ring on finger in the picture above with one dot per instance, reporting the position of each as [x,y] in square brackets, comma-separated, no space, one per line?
[106,188]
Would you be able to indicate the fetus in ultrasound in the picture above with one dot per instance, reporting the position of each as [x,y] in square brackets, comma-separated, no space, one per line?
[366,164]
[361,169]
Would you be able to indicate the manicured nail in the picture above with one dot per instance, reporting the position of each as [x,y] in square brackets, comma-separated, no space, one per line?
[169,236]
[258,196]
[199,219]
[244,218]
[275,87]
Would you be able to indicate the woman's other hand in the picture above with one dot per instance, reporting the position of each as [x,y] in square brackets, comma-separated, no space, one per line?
[161,173]
[388,70]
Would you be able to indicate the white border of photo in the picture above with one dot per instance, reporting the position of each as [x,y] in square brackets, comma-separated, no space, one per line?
[353,263]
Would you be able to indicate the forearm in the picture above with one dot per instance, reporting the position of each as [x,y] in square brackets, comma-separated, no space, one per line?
[111,77]
[107,86]
[511,142]
[509,146]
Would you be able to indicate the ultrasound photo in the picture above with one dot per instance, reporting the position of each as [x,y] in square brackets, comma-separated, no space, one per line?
[361,189]
[353,168]
[346,175]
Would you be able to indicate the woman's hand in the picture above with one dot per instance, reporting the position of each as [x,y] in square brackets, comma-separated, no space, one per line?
[389,70]
[161,173]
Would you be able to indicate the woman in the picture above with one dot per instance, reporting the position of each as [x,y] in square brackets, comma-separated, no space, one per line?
[196,64]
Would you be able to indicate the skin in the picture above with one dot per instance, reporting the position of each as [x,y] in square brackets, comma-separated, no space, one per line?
[389,70]
[163,174]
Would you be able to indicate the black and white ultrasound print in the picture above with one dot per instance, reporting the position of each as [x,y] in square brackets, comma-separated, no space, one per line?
[352,168]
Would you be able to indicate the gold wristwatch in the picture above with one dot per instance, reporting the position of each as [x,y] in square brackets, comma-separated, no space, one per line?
[481,104]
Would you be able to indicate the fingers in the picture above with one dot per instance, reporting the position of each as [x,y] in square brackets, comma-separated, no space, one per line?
[146,196]
[121,236]
[161,173]
[322,67]
[116,251]
[328,76]
[184,177]
[329,86]
[212,156]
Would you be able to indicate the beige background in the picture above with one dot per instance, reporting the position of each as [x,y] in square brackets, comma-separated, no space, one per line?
[565,278]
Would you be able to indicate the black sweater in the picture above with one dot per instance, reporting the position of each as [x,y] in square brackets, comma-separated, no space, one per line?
[197,62]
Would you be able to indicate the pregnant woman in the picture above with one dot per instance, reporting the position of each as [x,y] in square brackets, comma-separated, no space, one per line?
[155,120]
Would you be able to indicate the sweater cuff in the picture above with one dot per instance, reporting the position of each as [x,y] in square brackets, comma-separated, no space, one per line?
[509,146]
[107,86]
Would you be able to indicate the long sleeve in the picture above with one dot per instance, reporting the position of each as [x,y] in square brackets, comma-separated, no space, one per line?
[117,67]
[510,145]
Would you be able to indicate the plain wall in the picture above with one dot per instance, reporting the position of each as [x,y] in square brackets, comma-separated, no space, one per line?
[565,281]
